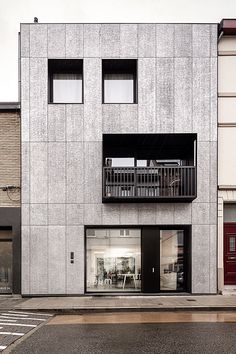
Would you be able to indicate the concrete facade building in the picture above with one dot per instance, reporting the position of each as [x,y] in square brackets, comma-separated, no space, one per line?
[119,156]
[10,240]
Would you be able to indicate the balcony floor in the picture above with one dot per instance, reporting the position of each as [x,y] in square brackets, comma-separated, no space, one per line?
[161,199]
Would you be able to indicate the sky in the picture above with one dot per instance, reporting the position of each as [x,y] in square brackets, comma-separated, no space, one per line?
[14,12]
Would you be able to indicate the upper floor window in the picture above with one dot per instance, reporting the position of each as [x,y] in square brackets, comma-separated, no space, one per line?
[65,80]
[119,80]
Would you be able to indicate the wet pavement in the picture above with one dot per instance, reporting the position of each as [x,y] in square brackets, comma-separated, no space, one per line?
[145,317]
[122,333]
[119,324]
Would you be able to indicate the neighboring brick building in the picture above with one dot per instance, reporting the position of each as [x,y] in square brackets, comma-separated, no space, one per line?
[10,154]
[10,244]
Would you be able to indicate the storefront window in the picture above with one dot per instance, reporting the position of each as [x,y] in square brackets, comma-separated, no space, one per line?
[5,266]
[113,260]
[171,260]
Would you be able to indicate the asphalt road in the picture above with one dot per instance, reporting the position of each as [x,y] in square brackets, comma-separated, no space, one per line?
[17,324]
[132,338]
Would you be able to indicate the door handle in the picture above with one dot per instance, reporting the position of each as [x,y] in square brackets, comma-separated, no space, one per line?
[153,270]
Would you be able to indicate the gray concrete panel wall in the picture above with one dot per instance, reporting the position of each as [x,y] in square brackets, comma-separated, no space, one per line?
[62,143]
[74,41]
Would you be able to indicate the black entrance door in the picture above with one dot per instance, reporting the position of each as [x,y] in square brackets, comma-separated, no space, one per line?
[150,260]
[166,259]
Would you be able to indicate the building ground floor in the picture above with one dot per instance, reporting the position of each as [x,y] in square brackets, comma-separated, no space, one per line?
[227,240]
[116,259]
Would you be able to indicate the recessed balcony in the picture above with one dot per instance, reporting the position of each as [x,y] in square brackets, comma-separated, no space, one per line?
[149,168]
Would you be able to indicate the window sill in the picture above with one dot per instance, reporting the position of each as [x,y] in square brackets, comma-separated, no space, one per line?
[65,102]
[120,103]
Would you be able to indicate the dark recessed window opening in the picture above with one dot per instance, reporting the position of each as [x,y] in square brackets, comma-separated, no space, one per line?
[119,80]
[65,80]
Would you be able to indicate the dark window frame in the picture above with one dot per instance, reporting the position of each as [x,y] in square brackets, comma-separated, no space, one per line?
[64,66]
[122,66]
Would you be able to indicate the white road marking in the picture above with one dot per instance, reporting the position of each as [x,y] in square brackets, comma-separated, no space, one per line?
[12,314]
[17,324]
[25,318]
[12,333]
[31,313]
[11,317]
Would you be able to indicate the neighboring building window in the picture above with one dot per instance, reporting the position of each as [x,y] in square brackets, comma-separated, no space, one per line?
[119,80]
[229,212]
[65,80]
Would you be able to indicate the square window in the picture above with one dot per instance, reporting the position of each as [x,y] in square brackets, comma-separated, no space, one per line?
[119,80]
[65,80]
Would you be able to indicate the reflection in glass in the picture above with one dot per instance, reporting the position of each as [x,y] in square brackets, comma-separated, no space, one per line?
[158,163]
[113,259]
[118,88]
[171,260]
[5,267]
[67,88]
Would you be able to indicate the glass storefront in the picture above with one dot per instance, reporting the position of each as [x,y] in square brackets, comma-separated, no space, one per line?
[116,258]
[171,260]
[5,267]
[113,259]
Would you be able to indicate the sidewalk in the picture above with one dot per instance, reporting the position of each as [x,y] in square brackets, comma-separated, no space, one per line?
[119,303]
[8,302]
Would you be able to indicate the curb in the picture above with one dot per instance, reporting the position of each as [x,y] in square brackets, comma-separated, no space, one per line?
[82,310]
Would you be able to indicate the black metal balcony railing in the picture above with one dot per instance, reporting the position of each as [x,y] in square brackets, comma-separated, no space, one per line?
[160,183]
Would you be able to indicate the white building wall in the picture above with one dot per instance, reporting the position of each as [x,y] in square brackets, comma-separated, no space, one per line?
[226,138]
[227,159]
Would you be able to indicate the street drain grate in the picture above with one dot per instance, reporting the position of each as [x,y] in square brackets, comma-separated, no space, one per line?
[190,299]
